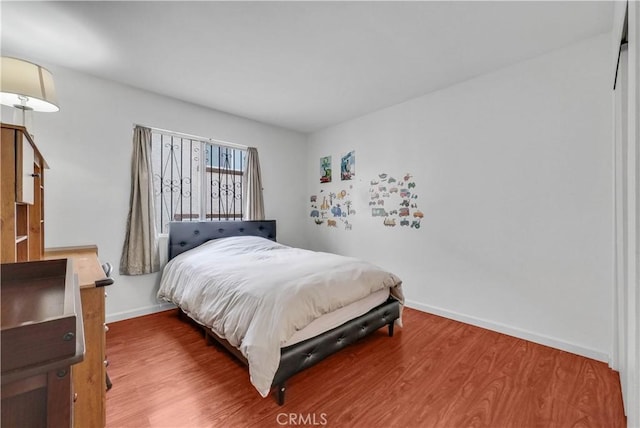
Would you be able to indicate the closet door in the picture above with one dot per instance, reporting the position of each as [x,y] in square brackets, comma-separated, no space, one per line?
[621,298]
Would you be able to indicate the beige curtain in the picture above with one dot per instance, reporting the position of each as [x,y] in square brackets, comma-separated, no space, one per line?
[140,251]
[252,187]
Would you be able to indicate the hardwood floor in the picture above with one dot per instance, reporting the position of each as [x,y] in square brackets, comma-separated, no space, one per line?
[434,372]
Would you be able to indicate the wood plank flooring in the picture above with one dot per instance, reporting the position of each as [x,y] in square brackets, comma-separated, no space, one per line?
[434,372]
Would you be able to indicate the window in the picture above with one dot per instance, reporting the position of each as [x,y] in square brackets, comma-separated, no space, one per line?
[195,179]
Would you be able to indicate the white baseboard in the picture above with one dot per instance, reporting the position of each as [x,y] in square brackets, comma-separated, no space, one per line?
[512,331]
[147,310]
[490,325]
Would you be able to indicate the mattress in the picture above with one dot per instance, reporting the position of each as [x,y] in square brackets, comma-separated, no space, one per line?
[338,317]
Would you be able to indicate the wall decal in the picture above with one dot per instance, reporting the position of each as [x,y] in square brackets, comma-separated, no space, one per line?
[395,200]
[332,208]
[325,169]
[325,205]
[348,166]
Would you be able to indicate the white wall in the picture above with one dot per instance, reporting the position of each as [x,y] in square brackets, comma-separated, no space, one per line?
[513,170]
[88,147]
[514,175]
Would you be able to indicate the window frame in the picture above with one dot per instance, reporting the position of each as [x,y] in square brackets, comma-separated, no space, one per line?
[205,174]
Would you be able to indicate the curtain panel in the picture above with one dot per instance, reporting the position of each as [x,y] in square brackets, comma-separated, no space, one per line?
[252,187]
[140,254]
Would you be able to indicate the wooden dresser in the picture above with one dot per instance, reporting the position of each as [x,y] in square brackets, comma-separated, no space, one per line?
[89,376]
[42,338]
[22,240]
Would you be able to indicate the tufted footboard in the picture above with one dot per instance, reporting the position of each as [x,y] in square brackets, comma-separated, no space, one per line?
[305,354]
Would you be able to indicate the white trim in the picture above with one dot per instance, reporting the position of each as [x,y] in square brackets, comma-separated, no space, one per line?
[512,331]
[620,253]
[614,360]
[490,325]
[148,310]
[633,191]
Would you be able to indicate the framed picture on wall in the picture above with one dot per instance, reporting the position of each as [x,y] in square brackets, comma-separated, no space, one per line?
[325,169]
[348,166]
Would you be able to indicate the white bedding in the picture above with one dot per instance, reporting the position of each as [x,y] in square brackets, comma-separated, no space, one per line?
[257,293]
[338,317]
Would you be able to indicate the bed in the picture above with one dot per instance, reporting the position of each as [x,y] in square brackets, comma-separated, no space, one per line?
[278,309]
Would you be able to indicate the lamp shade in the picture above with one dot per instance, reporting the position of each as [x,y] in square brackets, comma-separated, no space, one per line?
[26,85]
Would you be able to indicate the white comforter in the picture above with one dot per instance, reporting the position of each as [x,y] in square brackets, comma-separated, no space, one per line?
[256,293]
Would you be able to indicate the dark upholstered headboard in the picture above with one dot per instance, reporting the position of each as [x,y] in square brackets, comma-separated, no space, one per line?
[186,235]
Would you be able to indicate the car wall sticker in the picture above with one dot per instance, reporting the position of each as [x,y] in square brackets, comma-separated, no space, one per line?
[393,199]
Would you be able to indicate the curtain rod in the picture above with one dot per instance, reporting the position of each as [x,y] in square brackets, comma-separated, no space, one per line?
[195,137]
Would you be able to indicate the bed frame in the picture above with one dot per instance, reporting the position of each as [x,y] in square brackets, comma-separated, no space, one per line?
[184,236]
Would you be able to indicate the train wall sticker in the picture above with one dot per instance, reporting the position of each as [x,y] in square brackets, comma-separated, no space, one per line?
[348,166]
[332,209]
[325,169]
[394,200]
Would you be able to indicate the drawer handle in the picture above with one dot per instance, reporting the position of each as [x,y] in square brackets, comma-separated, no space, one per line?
[61,373]
[68,336]
[75,397]
[104,282]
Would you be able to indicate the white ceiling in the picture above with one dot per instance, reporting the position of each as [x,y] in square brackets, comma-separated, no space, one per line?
[299,65]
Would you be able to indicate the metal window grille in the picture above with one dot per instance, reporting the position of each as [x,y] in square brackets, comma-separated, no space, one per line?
[195,180]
